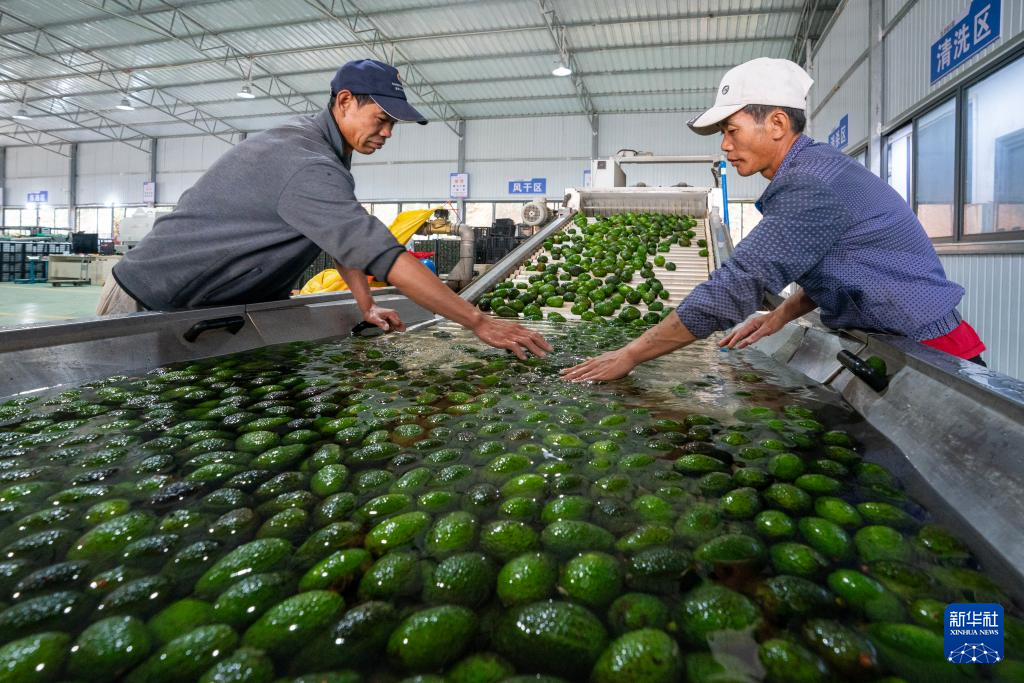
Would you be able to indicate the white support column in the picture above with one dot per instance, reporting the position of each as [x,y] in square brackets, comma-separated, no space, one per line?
[73,187]
[876,90]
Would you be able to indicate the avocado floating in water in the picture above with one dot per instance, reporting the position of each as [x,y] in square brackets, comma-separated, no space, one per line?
[348,509]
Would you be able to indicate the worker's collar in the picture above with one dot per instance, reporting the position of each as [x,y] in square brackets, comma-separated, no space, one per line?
[787,161]
[330,128]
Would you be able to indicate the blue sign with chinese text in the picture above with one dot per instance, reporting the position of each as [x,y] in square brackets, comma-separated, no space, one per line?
[974,633]
[38,197]
[978,27]
[531,186]
[840,135]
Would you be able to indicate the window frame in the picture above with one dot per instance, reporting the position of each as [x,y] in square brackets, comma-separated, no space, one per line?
[958,93]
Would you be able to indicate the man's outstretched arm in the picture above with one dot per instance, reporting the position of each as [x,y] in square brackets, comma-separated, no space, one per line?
[665,337]
[760,326]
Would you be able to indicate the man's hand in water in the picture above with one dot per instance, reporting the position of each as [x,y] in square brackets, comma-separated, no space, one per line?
[385,318]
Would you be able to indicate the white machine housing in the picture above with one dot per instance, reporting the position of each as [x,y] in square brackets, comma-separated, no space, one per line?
[133,228]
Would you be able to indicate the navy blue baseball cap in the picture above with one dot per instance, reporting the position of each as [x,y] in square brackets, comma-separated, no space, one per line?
[381,82]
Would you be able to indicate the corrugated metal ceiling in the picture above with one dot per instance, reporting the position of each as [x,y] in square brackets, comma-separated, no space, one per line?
[485,58]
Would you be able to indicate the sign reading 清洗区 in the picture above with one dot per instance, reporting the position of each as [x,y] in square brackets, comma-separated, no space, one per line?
[40,197]
[531,186]
[978,27]
[458,185]
[840,135]
[974,633]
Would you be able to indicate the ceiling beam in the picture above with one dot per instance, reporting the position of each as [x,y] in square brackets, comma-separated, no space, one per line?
[85,63]
[715,69]
[609,93]
[27,135]
[560,34]
[179,26]
[78,117]
[795,9]
[503,55]
[370,36]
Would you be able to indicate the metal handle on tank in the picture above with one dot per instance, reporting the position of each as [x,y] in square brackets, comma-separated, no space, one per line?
[231,323]
[861,369]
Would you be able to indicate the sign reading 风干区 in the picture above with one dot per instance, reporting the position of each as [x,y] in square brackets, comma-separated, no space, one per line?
[974,30]
[531,186]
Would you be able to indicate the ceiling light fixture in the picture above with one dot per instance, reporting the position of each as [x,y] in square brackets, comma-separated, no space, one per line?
[245,92]
[564,67]
[22,113]
[125,104]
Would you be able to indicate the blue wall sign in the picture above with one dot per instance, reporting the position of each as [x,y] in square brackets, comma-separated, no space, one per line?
[38,197]
[531,186]
[978,27]
[840,135]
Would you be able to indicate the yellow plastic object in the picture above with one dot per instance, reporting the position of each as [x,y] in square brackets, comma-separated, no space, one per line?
[403,228]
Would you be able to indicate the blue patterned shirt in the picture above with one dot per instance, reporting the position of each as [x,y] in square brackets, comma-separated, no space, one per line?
[847,238]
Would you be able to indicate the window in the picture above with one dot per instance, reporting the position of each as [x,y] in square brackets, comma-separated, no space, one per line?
[46,215]
[385,212]
[86,220]
[513,210]
[861,157]
[479,214]
[898,151]
[105,222]
[993,187]
[12,218]
[934,186]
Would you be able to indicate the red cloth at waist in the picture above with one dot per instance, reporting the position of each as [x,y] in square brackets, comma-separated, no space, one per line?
[963,342]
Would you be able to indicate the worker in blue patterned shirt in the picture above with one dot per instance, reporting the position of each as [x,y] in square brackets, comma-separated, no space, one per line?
[855,249]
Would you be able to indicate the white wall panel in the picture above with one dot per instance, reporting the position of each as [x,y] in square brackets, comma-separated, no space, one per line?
[111,172]
[849,100]
[31,169]
[992,305]
[525,138]
[181,161]
[908,51]
[427,181]
[413,142]
[892,8]
[662,133]
[489,179]
[845,42]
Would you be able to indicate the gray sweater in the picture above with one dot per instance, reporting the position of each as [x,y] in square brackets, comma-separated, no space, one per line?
[255,220]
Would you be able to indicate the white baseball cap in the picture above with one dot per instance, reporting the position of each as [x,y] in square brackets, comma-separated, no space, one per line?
[774,82]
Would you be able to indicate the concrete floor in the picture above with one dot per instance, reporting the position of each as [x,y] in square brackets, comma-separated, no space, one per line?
[38,303]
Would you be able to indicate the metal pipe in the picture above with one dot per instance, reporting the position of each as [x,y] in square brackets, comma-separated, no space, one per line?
[500,270]
[462,273]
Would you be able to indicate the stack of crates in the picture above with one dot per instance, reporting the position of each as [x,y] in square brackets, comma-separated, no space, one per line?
[12,261]
[14,257]
[492,247]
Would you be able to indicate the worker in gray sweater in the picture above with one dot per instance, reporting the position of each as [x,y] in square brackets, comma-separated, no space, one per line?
[264,211]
